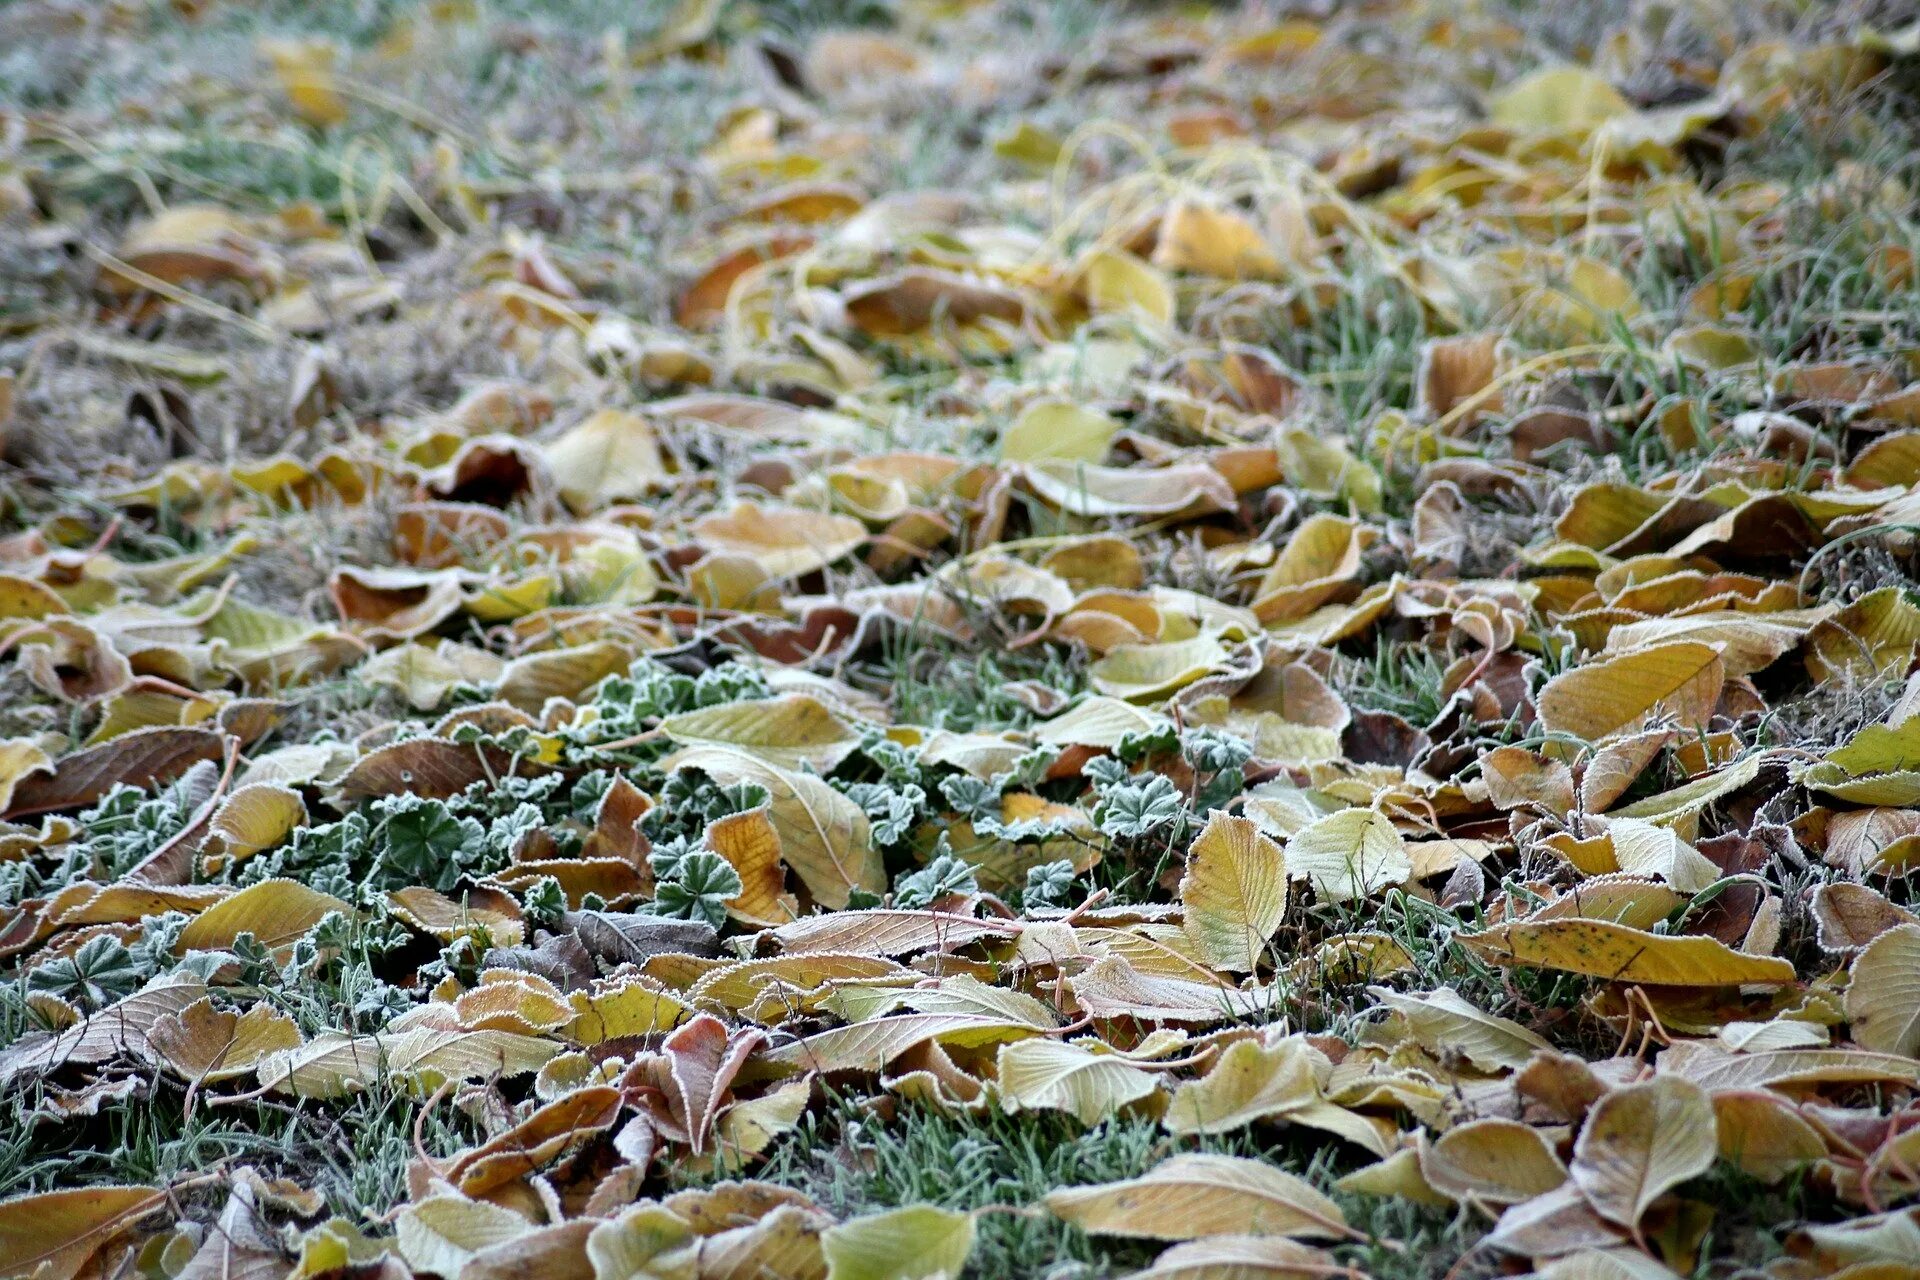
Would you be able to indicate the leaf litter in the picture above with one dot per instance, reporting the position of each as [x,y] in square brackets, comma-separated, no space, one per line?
[601,612]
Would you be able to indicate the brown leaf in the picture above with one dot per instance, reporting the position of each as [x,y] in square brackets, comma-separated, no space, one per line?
[55,1234]
[143,758]
[551,1134]
[430,767]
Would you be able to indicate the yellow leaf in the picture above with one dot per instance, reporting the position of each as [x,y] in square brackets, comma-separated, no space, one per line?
[646,1242]
[1099,722]
[1568,298]
[1249,1081]
[1689,798]
[1115,280]
[1639,1142]
[1397,1175]
[791,731]
[1239,1258]
[1324,466]
[631,1006]
[785,541]
[527,682]
[202,1043]
[1763,1136]
[1618,953]
[961,994]
[439,1234]
[613,456]
[1234,892]
[1054,428]
[871,1046]
[421,1058]
[276,912]
[778,985]
[1004,583]
[1444,1022]
[1710,346]
[1516,777]
[1348,855]
[1042,1074]
[1883,995]
[1879,765]
[919,1242]
[445,919]
[751,845]
[1605,1264]
[1558,98]
[1617,695]
[1320,562]
[1748,642]
[729,580]
[255,817]
[1202,240]
[1492,1161]
[503,601]
[1028,144]
[1186,1197]
[20,758]
[425,676]
[1144,672]
[1083,489]
[1870,636]
[53,1235]
[305,68]
[686,24]
[1640,848]
[824,836]
[510,1000]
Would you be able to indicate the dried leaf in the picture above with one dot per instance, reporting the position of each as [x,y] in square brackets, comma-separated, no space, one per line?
[1057,1075]
[1883,995]
[1640,1141]
[1622,954]
[1190,1196]
[55,1234]
[1234,892]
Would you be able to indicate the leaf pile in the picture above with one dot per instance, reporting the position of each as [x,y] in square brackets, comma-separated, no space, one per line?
[1342,588]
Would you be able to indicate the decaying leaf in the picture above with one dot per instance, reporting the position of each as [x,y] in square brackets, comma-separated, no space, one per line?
[1620,953]
[57,1233]
[1234,892]
[1639,1142]
[1187,1197]
[600,621]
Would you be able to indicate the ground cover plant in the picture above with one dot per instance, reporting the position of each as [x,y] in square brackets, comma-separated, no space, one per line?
[929,638]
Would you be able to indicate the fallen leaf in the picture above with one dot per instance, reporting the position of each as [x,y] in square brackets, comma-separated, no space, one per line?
[1492,1161]
[1444,1022]
[1234,891]
[1639,1142]
[55,1234]
[1057,1075]
[824,837]
[1248,1081]
[792,731]
[1620,695]
[918,1242]
[1883,994]
[1603,949]
[1348,855]
[442,1233]
[1189,1196]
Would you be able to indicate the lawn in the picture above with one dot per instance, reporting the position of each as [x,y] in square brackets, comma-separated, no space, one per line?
[891,639]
